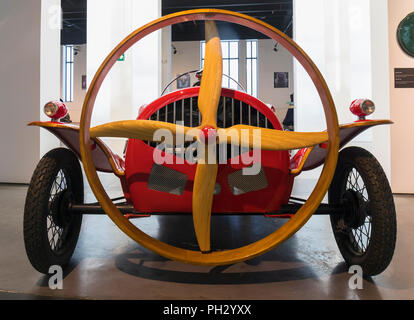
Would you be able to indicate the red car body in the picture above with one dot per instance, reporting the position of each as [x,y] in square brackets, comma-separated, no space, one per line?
[275,164]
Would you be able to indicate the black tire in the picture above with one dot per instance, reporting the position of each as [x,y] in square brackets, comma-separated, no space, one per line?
[360,180]
[50,232]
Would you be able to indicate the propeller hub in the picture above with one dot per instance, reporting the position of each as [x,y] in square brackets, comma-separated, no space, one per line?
[208,135]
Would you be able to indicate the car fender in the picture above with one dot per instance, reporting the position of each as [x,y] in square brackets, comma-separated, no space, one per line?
[104,159]
[310,158]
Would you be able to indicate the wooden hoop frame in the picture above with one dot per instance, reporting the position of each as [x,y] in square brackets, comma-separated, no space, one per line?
[253,249]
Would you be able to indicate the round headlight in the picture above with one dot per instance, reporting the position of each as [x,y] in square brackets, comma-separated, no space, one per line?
[362,108]
[55,110]
[50,109]
[368,107]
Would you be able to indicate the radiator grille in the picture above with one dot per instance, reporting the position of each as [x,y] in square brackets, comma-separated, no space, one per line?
[230,112]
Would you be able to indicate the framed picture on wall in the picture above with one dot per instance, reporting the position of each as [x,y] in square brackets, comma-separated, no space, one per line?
[84,82]
[281,80]
[183,81]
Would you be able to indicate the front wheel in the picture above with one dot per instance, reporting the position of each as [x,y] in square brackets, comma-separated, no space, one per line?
[50,231]
[366,232]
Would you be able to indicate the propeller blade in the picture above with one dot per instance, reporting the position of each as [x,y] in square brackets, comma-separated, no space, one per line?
[210,89]
[270,139]
[143,130]
[203,192]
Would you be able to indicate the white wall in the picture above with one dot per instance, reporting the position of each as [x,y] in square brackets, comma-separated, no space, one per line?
[270,62]
[130,83]
[348,42]
[29,77]
[402,111]
[187,58]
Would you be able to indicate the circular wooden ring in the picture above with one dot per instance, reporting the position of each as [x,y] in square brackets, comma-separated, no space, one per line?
[253,249]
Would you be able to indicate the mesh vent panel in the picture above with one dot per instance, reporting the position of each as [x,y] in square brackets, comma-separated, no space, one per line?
[167,180]
[240,184]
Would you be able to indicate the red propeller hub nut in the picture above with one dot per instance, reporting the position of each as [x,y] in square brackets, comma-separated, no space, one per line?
[208,135]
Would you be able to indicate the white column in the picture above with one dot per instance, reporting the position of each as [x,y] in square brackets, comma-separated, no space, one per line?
[29,76]
[50,65]
[242,64]
[130,83]
[166,51]
[348,42]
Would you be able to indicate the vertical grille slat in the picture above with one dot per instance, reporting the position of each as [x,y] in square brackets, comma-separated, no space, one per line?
[241,112]
[232,111]
[174,112]
[250,115]
[224,111]
[182,112]
[191,112]
[166,113]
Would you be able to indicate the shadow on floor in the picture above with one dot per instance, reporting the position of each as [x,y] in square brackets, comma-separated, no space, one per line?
[238,231]
[280,265]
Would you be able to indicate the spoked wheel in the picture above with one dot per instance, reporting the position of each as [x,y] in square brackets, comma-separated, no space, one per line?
[50,231]
[56,226]
[366,233]
[208,134]
[360,234]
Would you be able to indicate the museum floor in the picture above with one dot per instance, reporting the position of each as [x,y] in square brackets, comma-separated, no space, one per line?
[108,265]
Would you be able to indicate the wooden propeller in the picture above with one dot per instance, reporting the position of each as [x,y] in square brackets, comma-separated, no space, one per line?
[210,89]
[208,100]
[139,129]
[270,139]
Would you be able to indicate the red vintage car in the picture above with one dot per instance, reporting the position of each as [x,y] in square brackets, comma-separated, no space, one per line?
[208,150]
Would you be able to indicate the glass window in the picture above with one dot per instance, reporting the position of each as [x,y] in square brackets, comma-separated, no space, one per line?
[234,49]
[225,49]
[251,67]
[203,50]
[68,73]
[230,52]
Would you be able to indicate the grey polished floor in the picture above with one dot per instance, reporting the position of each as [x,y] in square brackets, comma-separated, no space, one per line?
[108,265]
